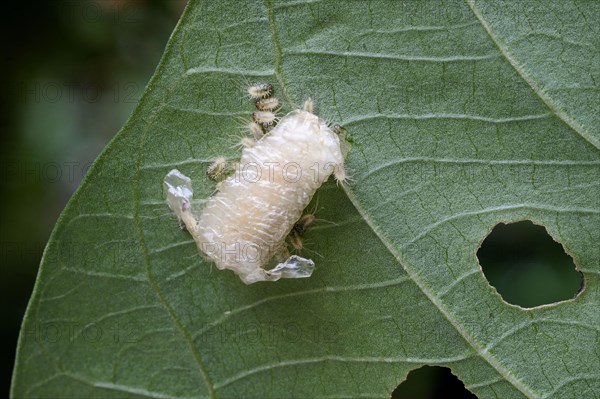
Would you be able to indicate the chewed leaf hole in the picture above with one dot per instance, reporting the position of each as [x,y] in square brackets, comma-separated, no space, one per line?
[527,267]
[431,382]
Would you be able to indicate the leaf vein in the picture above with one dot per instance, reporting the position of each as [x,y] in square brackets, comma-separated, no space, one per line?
[520,70]
[327,289]
[333,358]
[398,57]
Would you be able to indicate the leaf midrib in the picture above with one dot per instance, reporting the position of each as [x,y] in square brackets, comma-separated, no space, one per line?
[546,99]
[479,349]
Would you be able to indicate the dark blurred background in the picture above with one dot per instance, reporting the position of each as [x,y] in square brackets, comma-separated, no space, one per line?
[72,72]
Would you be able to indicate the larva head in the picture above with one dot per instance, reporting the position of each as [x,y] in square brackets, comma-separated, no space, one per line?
[260,90]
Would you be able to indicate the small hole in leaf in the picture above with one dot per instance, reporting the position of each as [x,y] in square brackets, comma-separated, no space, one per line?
[431,382]
[527,267]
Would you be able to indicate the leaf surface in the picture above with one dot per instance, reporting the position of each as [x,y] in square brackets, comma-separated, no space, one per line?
[461,115]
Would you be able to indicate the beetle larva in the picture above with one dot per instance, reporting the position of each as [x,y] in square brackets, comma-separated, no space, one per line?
[267,104]
[300,227]
[244,225]
[216,169]
[260,90]
[264,117]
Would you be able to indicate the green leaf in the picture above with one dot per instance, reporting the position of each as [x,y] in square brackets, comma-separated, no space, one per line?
[461,116]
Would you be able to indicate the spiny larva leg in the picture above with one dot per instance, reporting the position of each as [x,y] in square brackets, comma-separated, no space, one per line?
[179,198]
[339,171]
[309,105]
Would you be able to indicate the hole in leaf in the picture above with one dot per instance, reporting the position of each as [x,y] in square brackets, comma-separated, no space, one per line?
[431,382]
[527,267]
